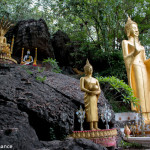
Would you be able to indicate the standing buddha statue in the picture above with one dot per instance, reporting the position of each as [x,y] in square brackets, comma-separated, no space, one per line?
[92,90]
[138,69]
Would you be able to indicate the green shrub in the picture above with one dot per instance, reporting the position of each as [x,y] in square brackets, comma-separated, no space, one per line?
[54,64]
[41,70]
[80,54]
[41,79]
[109,63]
[52,134]
[125,145]
[117,91]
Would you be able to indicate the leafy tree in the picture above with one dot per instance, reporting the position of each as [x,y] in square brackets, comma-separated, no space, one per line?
[96,26]
[97,21]
[54,64]
[102,21]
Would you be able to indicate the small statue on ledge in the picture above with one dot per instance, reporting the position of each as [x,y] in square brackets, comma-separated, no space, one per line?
[92,90]
[28,59]
[127,131]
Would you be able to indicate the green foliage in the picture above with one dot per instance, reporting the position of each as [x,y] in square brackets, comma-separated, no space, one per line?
[52,134]
[116,91]
[57,134]
[80,55]
[29,71]
[101,22]
[124,144]
[98,21]
[105,63]
[110,64]
[41,79]
[96,26]
[41,70]
[54,64]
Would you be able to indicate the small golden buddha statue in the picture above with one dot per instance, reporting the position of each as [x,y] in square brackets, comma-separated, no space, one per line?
[28,59]
[5,50]
[92,90]
[3,40]
[138,69]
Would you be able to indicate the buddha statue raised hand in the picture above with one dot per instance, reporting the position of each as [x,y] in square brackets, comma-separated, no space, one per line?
[138,69]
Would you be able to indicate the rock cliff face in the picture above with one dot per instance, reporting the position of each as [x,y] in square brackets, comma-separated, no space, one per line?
[31,34]
[32,111]
[73,144]
[62,48]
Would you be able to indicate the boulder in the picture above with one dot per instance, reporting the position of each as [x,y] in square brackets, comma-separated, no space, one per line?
[38,106]
[73,144]
[62,48]
[31,34]
[14,127]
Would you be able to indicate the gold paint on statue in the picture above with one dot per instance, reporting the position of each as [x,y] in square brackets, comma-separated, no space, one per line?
[92,90]
[138,69]
[35,58]
[5,51]
[94,134]
[22,57]
[28,59]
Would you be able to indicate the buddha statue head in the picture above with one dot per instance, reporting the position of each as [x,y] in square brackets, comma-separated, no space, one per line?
[131,28]
[88,69]
[2,33]
[28,52]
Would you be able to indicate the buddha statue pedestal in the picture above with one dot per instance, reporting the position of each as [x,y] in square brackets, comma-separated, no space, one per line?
[90,86]
[5,56]
[106,137]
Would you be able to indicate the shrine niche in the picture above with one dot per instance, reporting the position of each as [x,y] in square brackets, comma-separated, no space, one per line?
[28,59]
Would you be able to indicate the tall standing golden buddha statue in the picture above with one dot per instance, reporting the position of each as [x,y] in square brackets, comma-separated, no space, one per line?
[92,90]
[138,69]
[5,50]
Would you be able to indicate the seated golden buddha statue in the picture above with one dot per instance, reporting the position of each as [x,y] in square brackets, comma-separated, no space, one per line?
[92,90]
[5,51]
[138,69]
[28,59]
[4,47]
